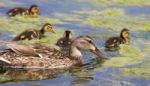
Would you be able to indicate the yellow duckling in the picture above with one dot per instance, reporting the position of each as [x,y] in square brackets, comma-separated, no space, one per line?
[33,33]
[114,42]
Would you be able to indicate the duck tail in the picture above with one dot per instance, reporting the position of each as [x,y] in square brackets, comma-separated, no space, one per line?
[4,60]
[4,42]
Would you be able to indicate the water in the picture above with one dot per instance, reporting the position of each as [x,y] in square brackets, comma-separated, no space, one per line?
[127,67]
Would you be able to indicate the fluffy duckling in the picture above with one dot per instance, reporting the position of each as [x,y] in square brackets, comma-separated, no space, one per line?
[66,40]
[27,56]
[33,33]
[32,11]
[114,42]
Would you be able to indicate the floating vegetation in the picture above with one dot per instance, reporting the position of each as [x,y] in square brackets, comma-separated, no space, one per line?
[141,71]
[32,19]
[68,17]
[19,24]
[110,18]
[116,2]
[129,55]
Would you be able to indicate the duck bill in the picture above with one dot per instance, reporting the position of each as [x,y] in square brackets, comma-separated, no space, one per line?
[99,53]
[52,31]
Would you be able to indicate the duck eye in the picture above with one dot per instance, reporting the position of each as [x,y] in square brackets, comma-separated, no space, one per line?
[89,41]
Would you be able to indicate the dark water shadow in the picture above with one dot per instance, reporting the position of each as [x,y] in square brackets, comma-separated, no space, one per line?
[84,74]
[15,75]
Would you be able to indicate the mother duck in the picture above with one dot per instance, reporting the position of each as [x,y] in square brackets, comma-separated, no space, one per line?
[41,56]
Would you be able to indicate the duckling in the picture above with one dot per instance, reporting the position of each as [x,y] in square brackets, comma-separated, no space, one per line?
[20,56]
[32,11]
[66,40]
[33,33]
[114,42]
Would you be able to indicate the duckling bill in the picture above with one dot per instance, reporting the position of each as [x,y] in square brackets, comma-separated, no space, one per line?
[32,11]
[34,34]
[66,40]
[52,58]
[114,42]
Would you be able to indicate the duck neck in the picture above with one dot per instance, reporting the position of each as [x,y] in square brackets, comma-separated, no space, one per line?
[42,31]
[127,39]
[75,54]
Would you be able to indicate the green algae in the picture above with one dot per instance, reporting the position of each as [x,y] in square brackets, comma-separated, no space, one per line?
[142,71]
[37,19]
[129,55]
[68,17]
[115,2]
[116,19]
[109,18]
[19,24]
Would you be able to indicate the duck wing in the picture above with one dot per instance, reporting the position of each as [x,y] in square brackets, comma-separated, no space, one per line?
[26,50]
[23,49]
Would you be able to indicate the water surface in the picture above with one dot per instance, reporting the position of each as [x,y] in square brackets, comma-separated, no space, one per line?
[127,67]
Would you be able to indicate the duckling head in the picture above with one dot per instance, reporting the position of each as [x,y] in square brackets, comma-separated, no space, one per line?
[47,28]
[125,34]
[66,40]
[67,34]
[34,10]
[84,43]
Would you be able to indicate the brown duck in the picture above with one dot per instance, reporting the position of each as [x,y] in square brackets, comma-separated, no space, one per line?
[34,34]
[41,56]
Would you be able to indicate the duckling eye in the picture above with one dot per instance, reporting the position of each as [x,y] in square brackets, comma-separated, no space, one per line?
[48,27]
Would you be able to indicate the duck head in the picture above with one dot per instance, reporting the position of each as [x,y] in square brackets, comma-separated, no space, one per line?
[125,34]
[47,28]
[34,10]
[84,43]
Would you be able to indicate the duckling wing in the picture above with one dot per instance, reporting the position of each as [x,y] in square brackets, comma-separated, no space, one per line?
[113,42]
[17,11]
[22,49]
[27,34]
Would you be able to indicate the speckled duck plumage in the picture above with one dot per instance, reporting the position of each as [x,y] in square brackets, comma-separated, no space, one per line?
[41,56]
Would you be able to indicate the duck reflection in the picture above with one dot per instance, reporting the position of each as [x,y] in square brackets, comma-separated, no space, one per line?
[13,75]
